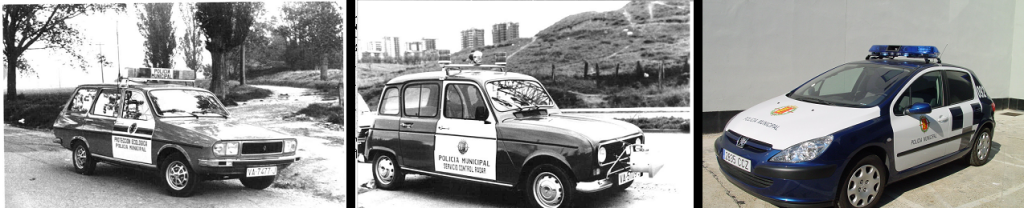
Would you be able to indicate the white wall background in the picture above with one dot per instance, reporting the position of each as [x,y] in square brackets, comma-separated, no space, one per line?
[755,50]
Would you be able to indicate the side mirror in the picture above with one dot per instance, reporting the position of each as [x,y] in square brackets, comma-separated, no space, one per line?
[481,113]
[918,108]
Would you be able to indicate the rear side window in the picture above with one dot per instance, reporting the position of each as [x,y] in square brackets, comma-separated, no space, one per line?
[960,87]
[390,104]
[107,102]
[81,101]
[421,100]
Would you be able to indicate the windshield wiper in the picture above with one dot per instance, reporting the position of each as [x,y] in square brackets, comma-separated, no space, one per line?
[815,100]
[179,111]
[507,104]
[206,111]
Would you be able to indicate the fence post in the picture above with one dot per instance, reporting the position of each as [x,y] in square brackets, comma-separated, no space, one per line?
[586,66]
[617,69]
[552,72]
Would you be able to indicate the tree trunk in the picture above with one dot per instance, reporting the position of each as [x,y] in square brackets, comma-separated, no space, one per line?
[241,67]
[323,67]
[217,72]
[12,77]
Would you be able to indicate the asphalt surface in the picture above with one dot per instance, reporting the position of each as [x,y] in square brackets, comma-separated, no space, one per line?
[38,173]
[671,187]
[996,184]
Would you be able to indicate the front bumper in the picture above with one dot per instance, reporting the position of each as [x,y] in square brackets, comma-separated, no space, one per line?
[230,168]
[640,162]
[783,184]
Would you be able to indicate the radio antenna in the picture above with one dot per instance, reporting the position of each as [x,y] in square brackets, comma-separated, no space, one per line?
[940,54]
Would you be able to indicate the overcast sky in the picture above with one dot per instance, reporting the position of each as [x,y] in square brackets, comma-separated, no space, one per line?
[413,21]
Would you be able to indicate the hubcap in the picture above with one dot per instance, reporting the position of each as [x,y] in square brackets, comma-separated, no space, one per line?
[547,190]
[385,170]
[80,157]
[862,188]
[177,175]
[984,145]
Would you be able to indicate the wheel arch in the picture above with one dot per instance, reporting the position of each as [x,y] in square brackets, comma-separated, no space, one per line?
[539,159]
[169,149]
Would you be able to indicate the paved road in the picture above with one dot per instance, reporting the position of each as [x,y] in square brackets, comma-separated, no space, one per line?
[38,173]
[996,184]
[672,187]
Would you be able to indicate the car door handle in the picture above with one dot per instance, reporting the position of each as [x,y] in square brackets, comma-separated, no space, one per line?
[442,128]
[943,119]
[406,125]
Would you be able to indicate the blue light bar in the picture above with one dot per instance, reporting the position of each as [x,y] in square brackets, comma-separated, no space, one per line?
[905,51]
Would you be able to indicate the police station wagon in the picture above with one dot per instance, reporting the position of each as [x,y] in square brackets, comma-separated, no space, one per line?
[479,123]
[181,132]
[842,137]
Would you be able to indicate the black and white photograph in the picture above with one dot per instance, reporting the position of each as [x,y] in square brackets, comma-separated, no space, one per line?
[523,104]
[862,103]
[174,104]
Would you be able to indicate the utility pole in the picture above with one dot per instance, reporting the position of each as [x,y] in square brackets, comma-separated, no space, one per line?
[241,67]
[117,32]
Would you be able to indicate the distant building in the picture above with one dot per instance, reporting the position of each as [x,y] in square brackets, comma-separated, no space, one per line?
[430,43]
[472,38]
[398,51]
[504,31]
[414,46]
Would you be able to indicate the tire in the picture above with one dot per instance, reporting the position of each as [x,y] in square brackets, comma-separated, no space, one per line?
[386,172]
[258,182]
[549,186]
[980,151]
[82,159]
[177,176]
[863,183]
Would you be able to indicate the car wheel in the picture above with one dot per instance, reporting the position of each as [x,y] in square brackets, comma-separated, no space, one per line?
[549,186]
[863,183]
[258,182]
[82,160]
[386,172]
[178,177]
[982,146]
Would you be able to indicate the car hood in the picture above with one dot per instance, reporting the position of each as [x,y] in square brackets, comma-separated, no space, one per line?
[220,129]
[784,122]
[596,129]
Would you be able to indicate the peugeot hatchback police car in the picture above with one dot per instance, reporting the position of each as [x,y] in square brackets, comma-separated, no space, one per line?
[475,123]
[180,131]
[841,137]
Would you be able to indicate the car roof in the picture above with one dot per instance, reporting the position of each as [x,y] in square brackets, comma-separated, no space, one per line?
[914,65]
[142,86]
[474,75]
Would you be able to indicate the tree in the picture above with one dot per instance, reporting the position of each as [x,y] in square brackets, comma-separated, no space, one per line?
[316,29]
[191,46]
[156,27]
[28,24]
[226,26]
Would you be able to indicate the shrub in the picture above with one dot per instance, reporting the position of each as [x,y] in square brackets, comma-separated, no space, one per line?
[333,114]
[565,99]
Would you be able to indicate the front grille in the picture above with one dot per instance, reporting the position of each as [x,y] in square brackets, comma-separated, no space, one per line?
[744,176]
[752,145]
[614,150]
[262,147]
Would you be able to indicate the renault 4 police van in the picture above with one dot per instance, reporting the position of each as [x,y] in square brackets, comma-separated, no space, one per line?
[842,137]
[182,132]
[478,123]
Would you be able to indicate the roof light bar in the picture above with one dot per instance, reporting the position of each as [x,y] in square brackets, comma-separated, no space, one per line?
[444,57]
[500,58]
[159,74]
[892,51]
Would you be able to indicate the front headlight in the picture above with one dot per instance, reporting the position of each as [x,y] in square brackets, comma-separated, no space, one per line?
[289,145]
[225,148]
[602,155]
[804,151]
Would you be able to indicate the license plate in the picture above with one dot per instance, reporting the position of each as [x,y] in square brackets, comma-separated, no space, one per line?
[736,160]
[261,171]
[626,177]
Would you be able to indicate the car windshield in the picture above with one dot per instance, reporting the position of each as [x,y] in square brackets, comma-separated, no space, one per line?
[851,85]
[518,95]
[185,102]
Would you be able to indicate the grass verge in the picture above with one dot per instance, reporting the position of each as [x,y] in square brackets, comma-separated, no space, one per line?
[660,123]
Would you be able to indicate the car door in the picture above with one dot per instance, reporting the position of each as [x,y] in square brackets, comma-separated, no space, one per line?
[132,137]
[965,106]
[466,141]
[418,124]
[919,138]
[385,125]
[102,117]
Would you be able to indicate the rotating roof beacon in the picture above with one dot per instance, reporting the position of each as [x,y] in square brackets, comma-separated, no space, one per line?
[156,75]
[840,138]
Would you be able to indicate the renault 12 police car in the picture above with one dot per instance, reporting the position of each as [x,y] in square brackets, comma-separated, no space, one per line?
[841,137]
[472,122]
[182,132]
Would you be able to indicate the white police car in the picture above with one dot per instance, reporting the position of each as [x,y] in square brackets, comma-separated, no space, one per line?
[841,137]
